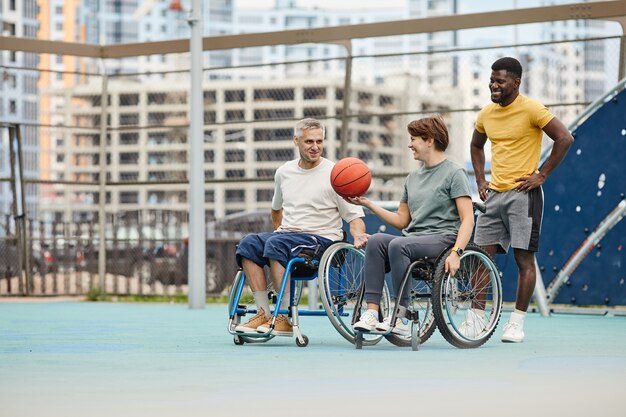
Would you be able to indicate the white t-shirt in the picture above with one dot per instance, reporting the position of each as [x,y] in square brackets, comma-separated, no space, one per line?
[309,203]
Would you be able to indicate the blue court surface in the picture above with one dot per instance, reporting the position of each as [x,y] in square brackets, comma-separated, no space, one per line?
[115,359]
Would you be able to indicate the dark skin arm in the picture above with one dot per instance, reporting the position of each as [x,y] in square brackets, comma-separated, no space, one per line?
[563,139]
[477,152]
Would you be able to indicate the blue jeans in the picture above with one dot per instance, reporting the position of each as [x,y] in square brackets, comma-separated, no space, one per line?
[279,246]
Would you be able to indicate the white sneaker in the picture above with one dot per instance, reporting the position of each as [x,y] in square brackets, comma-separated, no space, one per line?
[401,328]
[367,322]
[473,326]
[513,333]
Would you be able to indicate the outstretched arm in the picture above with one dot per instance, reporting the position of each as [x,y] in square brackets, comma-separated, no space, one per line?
[563,139]
[398,219]
[477,152]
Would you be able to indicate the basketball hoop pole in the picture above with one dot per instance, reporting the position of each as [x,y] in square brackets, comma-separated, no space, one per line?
[197,230]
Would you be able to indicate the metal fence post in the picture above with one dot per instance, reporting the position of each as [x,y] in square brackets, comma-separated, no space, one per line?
[347,85]
[621,71]
[19,209]
[197,241]
[104,102]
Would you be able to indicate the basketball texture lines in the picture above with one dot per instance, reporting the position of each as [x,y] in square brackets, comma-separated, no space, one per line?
[350,177]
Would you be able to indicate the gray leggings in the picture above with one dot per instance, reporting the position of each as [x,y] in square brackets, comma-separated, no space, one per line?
[384,251]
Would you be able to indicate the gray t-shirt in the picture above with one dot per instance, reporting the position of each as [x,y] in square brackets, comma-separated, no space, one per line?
[430,193]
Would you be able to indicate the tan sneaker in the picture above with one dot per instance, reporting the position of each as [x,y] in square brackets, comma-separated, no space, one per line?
[251,325]
[282,327]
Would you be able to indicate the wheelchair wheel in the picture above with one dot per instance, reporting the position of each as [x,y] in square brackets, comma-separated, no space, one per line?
[475,286]
[340,280]
[420,297]
[233,303]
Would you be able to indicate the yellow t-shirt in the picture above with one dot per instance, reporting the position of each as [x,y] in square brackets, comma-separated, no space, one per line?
[515,132]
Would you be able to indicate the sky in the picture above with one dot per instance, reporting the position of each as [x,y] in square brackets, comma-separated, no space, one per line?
[493,35]
[466,6]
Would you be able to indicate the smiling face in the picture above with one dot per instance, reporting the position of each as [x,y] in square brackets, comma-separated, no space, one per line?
[310,147]
[504,87]
[421,148]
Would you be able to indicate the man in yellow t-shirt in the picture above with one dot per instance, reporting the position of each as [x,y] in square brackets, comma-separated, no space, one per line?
[514,124]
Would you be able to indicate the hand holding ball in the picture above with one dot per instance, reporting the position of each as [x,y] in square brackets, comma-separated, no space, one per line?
[350,177]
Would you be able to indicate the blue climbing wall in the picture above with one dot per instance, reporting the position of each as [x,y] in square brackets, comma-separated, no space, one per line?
[580,193]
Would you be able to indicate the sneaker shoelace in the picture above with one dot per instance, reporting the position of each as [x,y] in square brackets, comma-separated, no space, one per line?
[372,319]
[511,326]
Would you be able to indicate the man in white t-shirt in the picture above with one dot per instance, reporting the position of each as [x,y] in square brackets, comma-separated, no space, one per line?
[306,214]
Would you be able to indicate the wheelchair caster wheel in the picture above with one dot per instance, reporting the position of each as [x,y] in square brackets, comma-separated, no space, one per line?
[358,340]
[238,340]
[305,341]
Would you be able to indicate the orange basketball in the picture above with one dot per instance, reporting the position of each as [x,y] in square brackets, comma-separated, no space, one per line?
[350,177]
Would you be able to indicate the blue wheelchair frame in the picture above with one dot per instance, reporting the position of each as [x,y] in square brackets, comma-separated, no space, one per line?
[236,310]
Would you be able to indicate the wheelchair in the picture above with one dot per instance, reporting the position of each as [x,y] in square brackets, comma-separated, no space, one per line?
[339,274]
[440,300]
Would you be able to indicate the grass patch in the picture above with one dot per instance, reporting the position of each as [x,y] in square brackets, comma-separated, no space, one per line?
[95,294]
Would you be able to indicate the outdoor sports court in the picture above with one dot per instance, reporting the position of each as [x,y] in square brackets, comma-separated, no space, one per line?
[116,359]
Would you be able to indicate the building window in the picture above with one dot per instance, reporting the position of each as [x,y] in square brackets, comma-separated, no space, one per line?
[235,115]
[129,158]
[12,107]
[278,94]
[231,96]
[129,176]
[129,138]
[129,99]
[128,197]
[264,195]
[314,93]
[237,196]
[12,81]
[129,119]
[235,156]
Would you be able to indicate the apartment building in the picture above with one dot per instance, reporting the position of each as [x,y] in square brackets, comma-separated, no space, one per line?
[18,98]
[248,133]
[458,80]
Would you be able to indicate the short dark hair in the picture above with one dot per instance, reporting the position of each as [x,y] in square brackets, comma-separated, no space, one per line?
[432,127]
[509,64]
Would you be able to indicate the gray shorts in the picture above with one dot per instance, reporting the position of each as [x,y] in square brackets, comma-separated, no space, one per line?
[512,219]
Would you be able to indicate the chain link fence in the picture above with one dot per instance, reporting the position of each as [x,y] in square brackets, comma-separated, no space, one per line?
[118,144]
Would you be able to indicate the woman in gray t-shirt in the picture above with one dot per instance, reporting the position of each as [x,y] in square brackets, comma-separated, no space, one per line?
[435,212]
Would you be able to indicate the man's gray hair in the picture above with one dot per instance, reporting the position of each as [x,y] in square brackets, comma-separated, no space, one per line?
[306,124]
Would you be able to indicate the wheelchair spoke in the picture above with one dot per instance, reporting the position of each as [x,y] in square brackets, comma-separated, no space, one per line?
[468,305]
[340,281]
